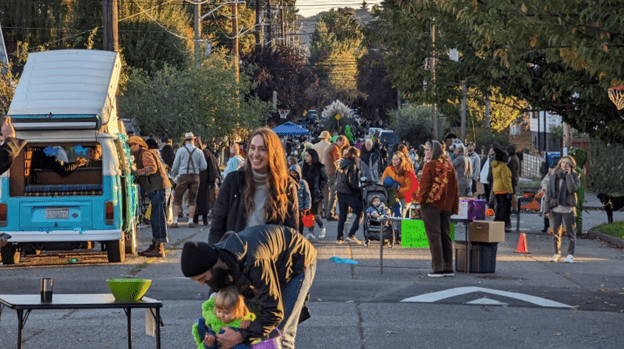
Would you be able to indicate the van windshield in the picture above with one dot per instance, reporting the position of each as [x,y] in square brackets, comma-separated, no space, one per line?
[58,169]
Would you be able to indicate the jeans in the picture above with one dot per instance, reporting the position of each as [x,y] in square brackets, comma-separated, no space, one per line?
[294,295]
[329,197]
[158,198]
[344,202]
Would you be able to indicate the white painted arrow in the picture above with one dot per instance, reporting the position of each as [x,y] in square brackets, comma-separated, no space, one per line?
[486,301]
[454,292]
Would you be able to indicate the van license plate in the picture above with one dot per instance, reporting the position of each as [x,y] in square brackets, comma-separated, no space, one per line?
[57,213]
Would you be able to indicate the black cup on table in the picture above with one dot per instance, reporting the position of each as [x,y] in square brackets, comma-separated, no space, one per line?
[46,290]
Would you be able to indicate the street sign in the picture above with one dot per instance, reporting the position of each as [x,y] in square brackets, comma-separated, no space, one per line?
[338,117]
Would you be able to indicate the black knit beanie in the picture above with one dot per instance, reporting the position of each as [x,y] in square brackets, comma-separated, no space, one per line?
[197,258]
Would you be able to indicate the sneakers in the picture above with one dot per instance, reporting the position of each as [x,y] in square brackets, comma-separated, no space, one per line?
[436,274]
[332,218]
[173,225]
[191,225]
[555,258]
[340,241]
[354,239]
[322,233]
[310,236]
[449,273]
[569,259]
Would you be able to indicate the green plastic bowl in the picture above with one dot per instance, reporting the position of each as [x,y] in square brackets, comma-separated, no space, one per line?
[128,289]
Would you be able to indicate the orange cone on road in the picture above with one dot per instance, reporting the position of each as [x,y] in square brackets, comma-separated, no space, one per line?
[522,244]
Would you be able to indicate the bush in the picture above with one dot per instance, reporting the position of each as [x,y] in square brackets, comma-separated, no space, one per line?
[413,124]
[607,168]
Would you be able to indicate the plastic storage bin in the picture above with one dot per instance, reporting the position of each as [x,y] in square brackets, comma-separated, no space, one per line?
[482,257]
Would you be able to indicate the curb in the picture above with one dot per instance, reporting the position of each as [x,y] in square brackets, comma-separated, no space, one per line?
[612,239]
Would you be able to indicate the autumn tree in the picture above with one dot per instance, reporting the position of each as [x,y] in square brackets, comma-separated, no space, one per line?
[335,50]
[283,69]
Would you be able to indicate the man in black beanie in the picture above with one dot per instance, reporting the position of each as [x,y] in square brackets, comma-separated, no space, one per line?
[273,264]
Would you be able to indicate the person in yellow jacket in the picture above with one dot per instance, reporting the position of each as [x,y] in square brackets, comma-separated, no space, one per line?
[501,185]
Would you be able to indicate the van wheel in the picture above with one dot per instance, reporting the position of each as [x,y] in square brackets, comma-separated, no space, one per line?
[10,254]
[30,249]
[132,240]
[116,250]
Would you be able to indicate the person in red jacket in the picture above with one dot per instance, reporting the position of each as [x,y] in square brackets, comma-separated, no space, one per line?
[438,195]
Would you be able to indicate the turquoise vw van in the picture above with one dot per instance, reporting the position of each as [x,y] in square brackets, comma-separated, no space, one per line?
[64,107]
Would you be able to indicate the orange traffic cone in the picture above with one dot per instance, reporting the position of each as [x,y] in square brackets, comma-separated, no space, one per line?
[522,244]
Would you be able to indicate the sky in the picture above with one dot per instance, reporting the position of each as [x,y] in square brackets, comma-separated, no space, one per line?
[309,8]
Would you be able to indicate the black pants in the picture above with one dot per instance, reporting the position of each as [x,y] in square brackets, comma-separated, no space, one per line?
[344,202]
[503,212]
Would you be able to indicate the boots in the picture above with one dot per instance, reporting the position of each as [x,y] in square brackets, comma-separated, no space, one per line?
[149,249]
[158,251]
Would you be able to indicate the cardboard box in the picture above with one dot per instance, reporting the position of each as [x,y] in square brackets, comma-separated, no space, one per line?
[487,231]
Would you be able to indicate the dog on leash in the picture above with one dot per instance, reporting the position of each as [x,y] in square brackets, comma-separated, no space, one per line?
[611,203]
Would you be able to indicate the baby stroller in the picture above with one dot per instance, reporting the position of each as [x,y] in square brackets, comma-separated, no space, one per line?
[373,229]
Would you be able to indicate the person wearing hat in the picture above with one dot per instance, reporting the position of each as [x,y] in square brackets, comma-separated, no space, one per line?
[188,163]
[275,265]
[152,176]
[303,193]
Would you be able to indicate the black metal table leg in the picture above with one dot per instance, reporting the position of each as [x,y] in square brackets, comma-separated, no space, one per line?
[21,322]
[158,324]
[128,312]
[468,247]
[20,328]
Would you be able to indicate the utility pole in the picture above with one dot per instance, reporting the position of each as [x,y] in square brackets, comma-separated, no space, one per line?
[197,27]
[259,27]
[282,21]
[487,112]
[435,106]
[235,35]
[567,138]
[463,112]
[269,20]
[110,24]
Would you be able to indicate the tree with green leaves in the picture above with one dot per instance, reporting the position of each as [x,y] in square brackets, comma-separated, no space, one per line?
[335,50]
[413,124]
[205,100]
[500,45]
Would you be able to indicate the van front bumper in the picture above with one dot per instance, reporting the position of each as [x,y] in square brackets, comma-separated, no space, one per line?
[64,235]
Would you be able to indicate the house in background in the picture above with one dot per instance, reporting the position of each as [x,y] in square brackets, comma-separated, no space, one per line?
[541,124]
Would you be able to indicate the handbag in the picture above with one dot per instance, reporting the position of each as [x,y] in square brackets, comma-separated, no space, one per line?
[308,219]
[271,343]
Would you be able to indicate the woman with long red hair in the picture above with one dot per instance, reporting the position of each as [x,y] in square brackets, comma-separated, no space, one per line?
[261,192]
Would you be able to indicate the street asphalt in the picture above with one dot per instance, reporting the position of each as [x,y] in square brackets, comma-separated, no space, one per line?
[528,302]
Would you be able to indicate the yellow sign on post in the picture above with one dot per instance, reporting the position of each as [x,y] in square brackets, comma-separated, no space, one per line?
[338,117]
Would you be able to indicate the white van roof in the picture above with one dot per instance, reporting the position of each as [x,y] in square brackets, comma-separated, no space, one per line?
[68,82]
[62,136]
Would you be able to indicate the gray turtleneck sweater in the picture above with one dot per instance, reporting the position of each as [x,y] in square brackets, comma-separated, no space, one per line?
[257,216]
